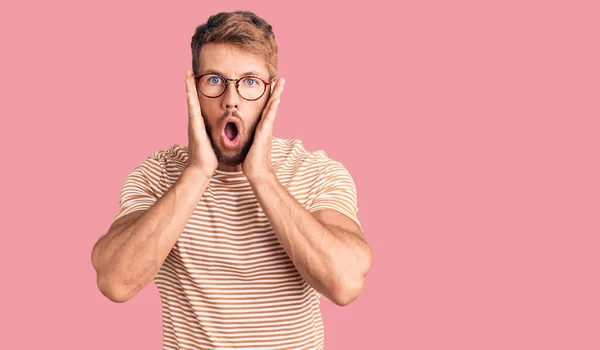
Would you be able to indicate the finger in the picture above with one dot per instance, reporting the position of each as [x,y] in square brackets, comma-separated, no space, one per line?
[196,126]
[272,106]
[273,96]
[192,96]
[265,126]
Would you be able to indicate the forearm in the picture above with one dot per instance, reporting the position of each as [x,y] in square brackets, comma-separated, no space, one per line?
[129,258]
[329,262]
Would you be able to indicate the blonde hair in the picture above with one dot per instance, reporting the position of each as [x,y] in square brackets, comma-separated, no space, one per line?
[241,28]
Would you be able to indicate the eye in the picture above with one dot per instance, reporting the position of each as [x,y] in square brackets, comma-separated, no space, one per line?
[214,80]
[250,81]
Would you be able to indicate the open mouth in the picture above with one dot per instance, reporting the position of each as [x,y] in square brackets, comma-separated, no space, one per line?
[231,135]
[231,131]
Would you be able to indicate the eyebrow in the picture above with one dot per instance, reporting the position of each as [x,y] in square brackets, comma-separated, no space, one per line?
[213,71]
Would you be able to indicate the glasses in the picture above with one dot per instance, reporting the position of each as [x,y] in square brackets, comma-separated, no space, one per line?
[250,88]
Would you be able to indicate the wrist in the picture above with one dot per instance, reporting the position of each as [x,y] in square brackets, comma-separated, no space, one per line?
[196,173]
[261,177]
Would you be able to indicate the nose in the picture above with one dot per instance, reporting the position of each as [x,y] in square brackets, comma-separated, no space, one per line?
[231,98]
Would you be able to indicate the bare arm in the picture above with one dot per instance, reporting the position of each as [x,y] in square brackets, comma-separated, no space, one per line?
[327,248]
[128,257]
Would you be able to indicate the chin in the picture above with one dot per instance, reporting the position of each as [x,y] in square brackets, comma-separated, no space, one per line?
[235,155]
[231,157]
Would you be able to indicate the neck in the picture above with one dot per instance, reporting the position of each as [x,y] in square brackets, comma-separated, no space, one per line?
[231,168]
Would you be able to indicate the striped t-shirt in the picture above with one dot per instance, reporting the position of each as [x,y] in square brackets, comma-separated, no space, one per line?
[228,283]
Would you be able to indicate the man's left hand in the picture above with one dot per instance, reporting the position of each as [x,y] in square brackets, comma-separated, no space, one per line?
[258,160]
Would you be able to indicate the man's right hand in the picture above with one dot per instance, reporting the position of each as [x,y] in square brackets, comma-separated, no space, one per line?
[201,155]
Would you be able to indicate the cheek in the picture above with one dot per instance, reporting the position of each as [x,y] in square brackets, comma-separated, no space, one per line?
[263,105]
[209,107]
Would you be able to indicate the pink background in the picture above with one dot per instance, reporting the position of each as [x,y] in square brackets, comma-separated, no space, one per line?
[473,144]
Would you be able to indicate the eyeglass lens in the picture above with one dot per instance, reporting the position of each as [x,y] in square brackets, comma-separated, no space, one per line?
[249,87]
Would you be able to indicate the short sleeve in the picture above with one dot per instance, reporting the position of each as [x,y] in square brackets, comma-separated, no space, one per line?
[137,193]
[335,189]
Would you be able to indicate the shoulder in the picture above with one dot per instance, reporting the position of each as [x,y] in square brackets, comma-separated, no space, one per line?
[290,155]
[163,165]
[174,152]
[169,156]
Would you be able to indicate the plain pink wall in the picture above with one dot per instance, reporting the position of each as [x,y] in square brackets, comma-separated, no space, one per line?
[471,131]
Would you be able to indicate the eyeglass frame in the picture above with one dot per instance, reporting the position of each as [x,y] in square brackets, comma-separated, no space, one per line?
[237,85]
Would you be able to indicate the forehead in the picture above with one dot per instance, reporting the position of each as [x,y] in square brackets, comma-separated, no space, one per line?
[230,60]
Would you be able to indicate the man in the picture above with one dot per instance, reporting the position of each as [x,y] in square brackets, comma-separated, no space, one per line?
[242,232]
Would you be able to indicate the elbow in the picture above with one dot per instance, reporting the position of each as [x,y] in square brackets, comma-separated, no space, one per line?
[351,286]
[115,292]
[347,293]
[112,290]
[109,284]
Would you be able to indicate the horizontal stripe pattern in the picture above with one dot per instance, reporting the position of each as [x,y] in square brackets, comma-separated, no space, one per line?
[228,283]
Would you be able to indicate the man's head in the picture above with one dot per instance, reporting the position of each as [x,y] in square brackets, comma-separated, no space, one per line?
[233,45]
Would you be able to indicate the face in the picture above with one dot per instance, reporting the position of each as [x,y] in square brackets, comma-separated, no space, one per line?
[230,108]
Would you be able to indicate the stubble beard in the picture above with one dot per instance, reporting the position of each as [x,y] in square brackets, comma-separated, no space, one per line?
[240,156]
